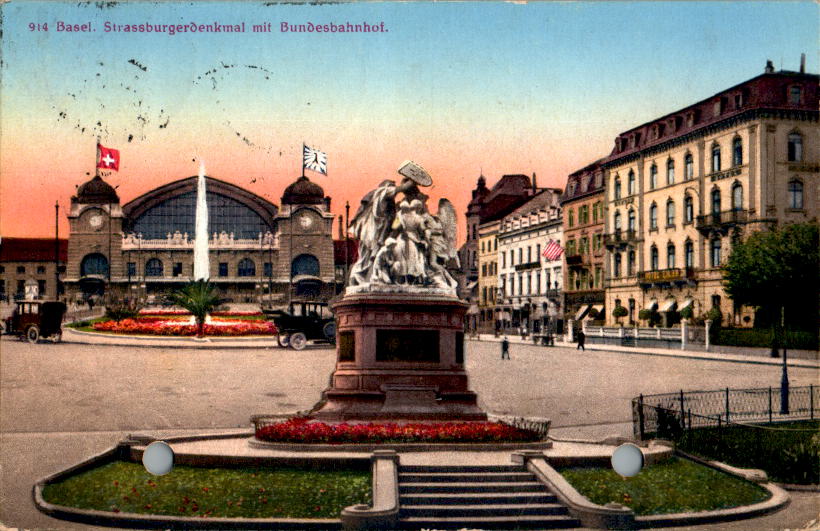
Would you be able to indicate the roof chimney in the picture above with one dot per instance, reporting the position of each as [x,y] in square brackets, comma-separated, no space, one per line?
[341,228]
[802,63]
[769,67]
[534,184]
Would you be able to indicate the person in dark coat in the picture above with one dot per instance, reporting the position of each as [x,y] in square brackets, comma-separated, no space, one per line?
[581,338]
[505,349]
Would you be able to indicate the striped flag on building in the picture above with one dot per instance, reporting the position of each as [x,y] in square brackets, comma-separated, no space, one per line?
[552,251]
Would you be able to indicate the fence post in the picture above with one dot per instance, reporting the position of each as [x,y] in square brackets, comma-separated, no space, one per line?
[683,332]
[770,404]
[690,419]
[640,416]
[682,410]
[727,404]
[658,333]
[811,401]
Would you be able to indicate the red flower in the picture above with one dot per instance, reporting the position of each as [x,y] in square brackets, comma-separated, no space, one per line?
[304,430]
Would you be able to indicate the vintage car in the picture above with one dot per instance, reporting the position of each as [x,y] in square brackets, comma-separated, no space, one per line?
[303,321]
[32,320]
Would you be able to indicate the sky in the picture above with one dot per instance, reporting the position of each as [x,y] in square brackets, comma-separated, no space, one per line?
[460,88]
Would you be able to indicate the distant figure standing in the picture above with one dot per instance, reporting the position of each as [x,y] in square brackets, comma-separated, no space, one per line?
[581,338]
[505,348]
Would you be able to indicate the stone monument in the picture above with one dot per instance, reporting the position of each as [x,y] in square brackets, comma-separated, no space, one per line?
[400,331]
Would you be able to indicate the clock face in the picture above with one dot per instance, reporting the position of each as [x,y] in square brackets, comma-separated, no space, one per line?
[305,221]
[95,221]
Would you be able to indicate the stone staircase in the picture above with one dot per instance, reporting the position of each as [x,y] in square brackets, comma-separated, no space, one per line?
[477,497]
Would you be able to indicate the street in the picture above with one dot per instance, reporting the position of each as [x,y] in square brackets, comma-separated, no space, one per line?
[61,403]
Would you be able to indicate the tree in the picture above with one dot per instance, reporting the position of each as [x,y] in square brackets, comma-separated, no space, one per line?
[199,298]
[619,312]
[777,271]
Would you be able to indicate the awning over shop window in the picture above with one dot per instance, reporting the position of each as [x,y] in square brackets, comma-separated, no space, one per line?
[669,305]
[598,309]
[473,310]
[652,305]
[582,312]
[687,303]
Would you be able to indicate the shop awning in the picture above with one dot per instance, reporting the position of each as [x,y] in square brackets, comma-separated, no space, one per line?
[686,304]
[669,305]
[473,310]
[652,305]
[471,285]
[582,312]
[598,309]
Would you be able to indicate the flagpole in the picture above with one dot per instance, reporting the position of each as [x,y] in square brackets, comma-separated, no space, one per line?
[97,161]
[303,159]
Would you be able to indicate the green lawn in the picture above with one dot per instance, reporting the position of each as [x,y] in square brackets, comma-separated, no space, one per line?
[85,326]
[214,492]
[673,486]
[789,452]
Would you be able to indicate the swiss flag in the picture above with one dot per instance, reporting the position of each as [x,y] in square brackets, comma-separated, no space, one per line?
[109,158]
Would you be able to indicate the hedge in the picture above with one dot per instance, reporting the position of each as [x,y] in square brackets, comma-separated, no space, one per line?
[757,337]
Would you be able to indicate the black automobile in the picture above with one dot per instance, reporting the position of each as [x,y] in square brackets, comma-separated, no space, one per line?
[34,319]
[303,321]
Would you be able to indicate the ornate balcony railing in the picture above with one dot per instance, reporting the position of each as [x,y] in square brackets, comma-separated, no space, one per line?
[177,240]
[721,220]
[620,237]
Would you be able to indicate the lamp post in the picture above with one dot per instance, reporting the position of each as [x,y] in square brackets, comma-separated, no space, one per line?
[784,378]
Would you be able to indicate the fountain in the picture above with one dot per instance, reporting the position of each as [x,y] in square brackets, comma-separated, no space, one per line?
[201,265]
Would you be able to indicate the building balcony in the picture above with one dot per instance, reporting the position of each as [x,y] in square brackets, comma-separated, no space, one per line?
[528,266]
[575,259]
[681,275]
[721,221]
[620,239]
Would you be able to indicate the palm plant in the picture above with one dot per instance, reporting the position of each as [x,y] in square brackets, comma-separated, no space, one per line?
[199,298]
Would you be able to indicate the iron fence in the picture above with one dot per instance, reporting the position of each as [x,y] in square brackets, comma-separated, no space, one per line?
[662,415]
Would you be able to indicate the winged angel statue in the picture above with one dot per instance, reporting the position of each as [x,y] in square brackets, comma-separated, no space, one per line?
[402,247]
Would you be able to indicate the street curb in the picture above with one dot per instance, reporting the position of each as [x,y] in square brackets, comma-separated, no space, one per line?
[692,355]
[80,337]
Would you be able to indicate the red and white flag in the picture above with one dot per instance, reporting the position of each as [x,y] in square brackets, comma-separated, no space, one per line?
[109,159]
[552,251]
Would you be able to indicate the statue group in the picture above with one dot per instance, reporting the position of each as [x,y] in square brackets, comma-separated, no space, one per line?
[402,247]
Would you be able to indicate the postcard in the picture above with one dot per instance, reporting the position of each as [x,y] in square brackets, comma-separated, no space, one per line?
[416,265]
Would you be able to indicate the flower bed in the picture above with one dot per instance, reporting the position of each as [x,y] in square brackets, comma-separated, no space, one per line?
[186,313]
[308,431]
[164,327]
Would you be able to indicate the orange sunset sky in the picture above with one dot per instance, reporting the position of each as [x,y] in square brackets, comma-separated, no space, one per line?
[460,88]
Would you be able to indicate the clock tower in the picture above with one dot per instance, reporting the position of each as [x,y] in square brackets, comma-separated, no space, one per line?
[95,240]
[305,242]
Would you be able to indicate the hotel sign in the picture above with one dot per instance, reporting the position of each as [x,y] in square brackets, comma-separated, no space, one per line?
[805,167]
[731,172]
[664,275]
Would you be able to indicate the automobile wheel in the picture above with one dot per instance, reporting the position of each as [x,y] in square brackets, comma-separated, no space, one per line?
[329,331]
[283,339]
[298,341]
[32,334]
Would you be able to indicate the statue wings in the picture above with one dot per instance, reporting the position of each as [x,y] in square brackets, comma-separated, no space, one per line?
[447,217]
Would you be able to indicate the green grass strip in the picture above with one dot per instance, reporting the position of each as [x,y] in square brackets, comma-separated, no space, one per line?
[214,492]
[673,486]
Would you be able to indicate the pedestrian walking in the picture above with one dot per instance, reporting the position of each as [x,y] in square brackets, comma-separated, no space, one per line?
[505,348]
[581,338]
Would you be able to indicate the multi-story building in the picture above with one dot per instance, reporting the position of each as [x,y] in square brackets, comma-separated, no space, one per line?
[681,188]
[258,251]
[508,193]
[31,268]
[487,274]
[529,285]
[467,276]
[583,223]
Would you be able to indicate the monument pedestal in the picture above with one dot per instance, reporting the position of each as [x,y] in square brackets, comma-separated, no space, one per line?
[400,356]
